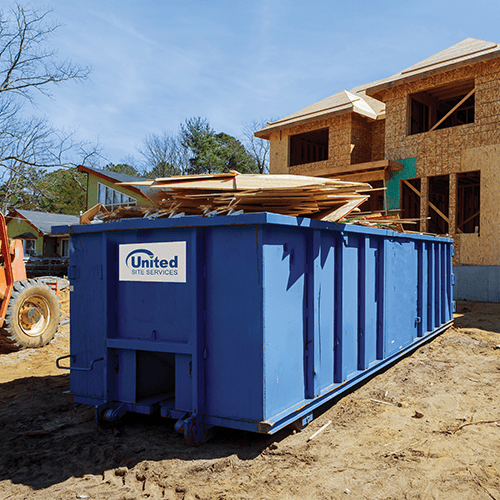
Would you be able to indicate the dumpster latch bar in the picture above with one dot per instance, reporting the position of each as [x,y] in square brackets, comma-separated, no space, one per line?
[76,368]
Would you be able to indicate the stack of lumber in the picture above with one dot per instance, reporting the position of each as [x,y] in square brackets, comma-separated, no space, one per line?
[225,194]
[383,221]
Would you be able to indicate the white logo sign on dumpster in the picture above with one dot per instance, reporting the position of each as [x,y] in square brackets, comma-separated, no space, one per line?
[153,262]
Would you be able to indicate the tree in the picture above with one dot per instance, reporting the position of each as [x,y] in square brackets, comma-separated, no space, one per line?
[63,191]
[28,67]
[122,168]
[164,156]
[198,138]
[233,155]
[257,148]
[198,149]
[211,152]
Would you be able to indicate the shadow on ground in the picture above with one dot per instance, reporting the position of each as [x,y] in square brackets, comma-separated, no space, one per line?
[481,315]
[47,439]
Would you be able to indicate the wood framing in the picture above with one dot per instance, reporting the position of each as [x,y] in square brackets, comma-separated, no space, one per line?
[460,86]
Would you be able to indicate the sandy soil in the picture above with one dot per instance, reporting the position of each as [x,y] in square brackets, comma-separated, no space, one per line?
[426,428]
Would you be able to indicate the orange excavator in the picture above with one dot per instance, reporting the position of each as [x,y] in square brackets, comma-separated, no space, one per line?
[29,309]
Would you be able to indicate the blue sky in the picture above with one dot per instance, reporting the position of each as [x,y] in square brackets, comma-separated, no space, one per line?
[157,62]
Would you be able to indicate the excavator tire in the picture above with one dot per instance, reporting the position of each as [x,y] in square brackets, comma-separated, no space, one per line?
[32,317]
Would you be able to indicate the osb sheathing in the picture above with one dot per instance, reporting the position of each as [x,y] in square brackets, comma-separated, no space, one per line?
[453,150]
[483,249]
[378,140]
[351,140]
[438,152]
[361,139]
[424,193]
[339,146]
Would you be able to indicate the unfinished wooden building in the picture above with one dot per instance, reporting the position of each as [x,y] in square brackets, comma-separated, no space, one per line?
[431,135]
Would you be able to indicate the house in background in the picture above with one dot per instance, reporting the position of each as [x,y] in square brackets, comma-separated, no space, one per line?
[430,134]
[103,187]
[35,231]
[45,254]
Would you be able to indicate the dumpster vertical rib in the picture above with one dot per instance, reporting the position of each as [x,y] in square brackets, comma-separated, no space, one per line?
[362,302]
[198,337]
[380,291]
[422,289]
[437,286]
[431,287]
[313,317]
[339,307]
[448,283]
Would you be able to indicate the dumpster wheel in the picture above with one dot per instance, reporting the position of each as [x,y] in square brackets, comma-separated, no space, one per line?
[32,317]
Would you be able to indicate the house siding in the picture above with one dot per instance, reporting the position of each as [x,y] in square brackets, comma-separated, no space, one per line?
[20,226]
[92,191]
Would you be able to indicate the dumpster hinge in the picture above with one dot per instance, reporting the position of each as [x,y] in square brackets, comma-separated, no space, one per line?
[205,353]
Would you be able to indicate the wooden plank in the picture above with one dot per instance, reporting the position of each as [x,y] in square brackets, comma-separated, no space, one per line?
[452,110]
[431,205]
[367,176]
[89,215]
[358,167]
[469,219]
[337,214]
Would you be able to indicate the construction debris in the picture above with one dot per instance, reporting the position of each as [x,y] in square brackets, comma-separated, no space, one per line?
[231,193]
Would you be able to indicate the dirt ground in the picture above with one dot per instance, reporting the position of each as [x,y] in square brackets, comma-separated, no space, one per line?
[426,428]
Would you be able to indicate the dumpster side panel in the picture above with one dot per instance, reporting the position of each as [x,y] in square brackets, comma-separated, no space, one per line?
[88,308]
[160,311]
[285,317]
[233,327]
[346,306]
[324,306]
[401,279]
[155,332]
[369,287]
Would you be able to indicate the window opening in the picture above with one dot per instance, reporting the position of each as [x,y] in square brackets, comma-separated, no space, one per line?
[442,107]
[309,147]
[439,204]
[65,249]
[410,202]
[468,201]
[111,198]
[29,247]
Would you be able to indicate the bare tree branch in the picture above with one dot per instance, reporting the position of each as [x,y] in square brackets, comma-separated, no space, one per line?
[258,148]
[25,65]
[30,146]
[163,155]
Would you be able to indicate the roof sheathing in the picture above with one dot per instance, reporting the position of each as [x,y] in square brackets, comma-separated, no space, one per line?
[337,104]
[467,52]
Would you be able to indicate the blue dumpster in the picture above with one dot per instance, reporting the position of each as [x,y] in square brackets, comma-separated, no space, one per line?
[249,321]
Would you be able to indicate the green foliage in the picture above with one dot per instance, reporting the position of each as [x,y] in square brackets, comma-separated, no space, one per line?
[197,150]
[161,169]
[198,138]
[61,191]
[122,168]
[233,155]
[211,152]
[65,192]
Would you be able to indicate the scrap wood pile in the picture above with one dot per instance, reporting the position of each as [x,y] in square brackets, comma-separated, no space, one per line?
[232,193]
[222,194]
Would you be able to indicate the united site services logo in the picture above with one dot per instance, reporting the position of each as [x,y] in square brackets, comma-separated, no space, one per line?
[153,262]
